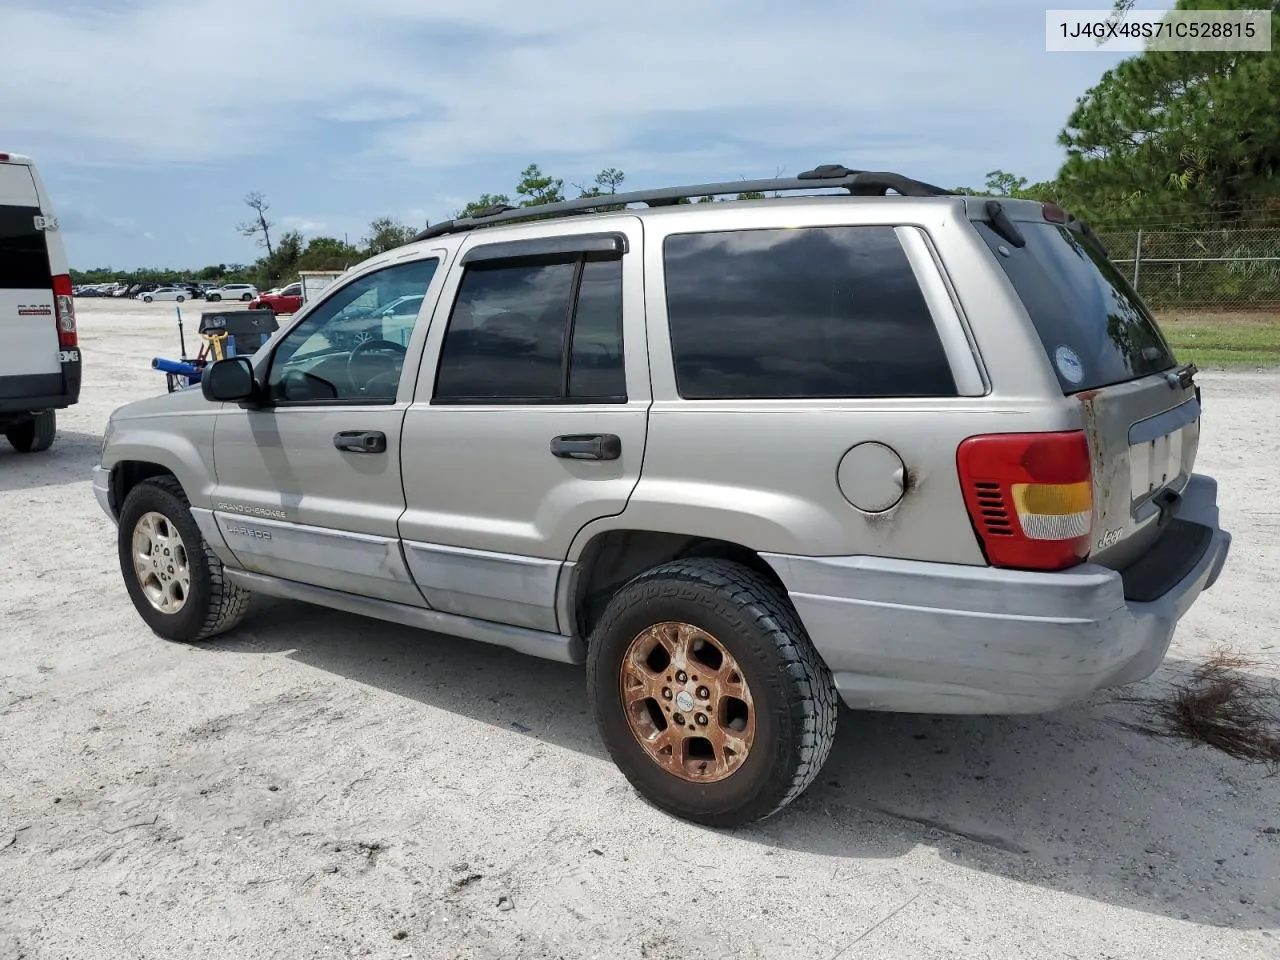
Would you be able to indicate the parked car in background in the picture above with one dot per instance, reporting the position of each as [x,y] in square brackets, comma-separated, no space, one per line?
[233,291]
[285,300]
[179,294]
[397,318]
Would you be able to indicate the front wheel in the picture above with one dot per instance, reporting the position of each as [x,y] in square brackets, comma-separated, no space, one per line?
[213,297]
[708,692]
[147,299]
[182,299]
[247,297]
[34,435]
[176,582]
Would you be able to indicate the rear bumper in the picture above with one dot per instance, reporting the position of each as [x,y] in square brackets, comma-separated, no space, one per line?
[31,393]
[904,635]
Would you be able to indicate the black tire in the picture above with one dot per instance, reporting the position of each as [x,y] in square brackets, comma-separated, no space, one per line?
[247,297]
[213,297]
[792,689]
[147,299]
[35,435]
[213,605]
[182,299]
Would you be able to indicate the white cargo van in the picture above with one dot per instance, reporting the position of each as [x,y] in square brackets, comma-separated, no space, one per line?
[39,350]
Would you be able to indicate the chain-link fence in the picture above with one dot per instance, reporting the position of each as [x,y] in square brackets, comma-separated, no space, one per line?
[1185,267]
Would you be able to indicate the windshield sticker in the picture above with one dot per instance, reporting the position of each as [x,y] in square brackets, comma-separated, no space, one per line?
[1069,365]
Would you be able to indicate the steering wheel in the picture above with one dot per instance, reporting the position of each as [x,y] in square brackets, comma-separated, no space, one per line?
[368,346]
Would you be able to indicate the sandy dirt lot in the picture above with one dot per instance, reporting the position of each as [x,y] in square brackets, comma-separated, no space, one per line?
[315,785]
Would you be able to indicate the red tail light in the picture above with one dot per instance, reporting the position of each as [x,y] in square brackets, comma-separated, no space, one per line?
[1030,497]
[64,310]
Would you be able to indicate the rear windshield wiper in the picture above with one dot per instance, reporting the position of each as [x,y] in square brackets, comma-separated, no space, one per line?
[1002,225]
[1088,233]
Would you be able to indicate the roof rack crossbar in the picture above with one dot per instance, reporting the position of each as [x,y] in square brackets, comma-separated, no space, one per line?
[825,177]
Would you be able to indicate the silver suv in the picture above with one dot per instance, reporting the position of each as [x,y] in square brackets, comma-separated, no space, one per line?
[905,449]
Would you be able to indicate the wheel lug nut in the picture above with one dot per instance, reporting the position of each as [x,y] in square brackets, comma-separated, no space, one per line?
[701,719]
[703,693]
[666,693]
[681,676]
[678,718]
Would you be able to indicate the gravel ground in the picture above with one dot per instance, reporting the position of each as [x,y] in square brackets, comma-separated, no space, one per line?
[316,785]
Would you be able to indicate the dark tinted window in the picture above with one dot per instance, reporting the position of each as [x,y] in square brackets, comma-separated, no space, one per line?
[506,336]
[24,261]
[1094,327]
[814,312]
[506,333]
[596,369]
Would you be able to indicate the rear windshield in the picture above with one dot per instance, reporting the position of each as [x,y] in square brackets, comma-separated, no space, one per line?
[1094,327]
[24,261]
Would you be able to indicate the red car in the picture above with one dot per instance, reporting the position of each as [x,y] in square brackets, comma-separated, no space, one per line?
[288,300]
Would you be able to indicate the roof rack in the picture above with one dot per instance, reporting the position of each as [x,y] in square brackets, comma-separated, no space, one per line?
[859,183]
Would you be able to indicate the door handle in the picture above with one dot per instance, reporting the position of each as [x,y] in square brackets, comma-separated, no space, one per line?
[361,441]
[587,446]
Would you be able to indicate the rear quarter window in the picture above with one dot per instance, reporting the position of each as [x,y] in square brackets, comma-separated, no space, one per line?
[1095,329]
[821,312]
[24,258]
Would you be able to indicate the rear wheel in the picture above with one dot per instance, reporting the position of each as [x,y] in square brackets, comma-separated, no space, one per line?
[176,582]
[35,435]
[708,692]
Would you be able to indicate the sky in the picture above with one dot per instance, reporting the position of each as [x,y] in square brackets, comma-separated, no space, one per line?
[151,119]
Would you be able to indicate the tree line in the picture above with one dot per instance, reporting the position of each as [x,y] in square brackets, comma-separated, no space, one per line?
[1174,136]
[286,254]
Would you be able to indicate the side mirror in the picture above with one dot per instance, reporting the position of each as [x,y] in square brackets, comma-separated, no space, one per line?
[229,381]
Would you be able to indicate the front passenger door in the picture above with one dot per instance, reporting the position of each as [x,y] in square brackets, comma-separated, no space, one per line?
[308,486]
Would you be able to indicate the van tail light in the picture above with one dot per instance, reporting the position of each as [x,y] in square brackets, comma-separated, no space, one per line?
[1030,497]
[64,311]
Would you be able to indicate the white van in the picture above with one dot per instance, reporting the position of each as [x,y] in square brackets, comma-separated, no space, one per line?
[39,349]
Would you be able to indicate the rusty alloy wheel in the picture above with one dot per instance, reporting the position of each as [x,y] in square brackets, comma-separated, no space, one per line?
[687,702]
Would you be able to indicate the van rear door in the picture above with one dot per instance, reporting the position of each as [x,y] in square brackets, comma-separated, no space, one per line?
[29,346]
[1141,413]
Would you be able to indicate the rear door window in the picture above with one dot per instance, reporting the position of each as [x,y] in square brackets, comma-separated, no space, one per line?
[545,329]
[1095,329]
[24,259]
[795,313]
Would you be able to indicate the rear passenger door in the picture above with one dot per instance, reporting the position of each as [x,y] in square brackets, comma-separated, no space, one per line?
[531,422]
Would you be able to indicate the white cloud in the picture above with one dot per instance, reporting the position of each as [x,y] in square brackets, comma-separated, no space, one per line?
[304,224]
[445,84]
